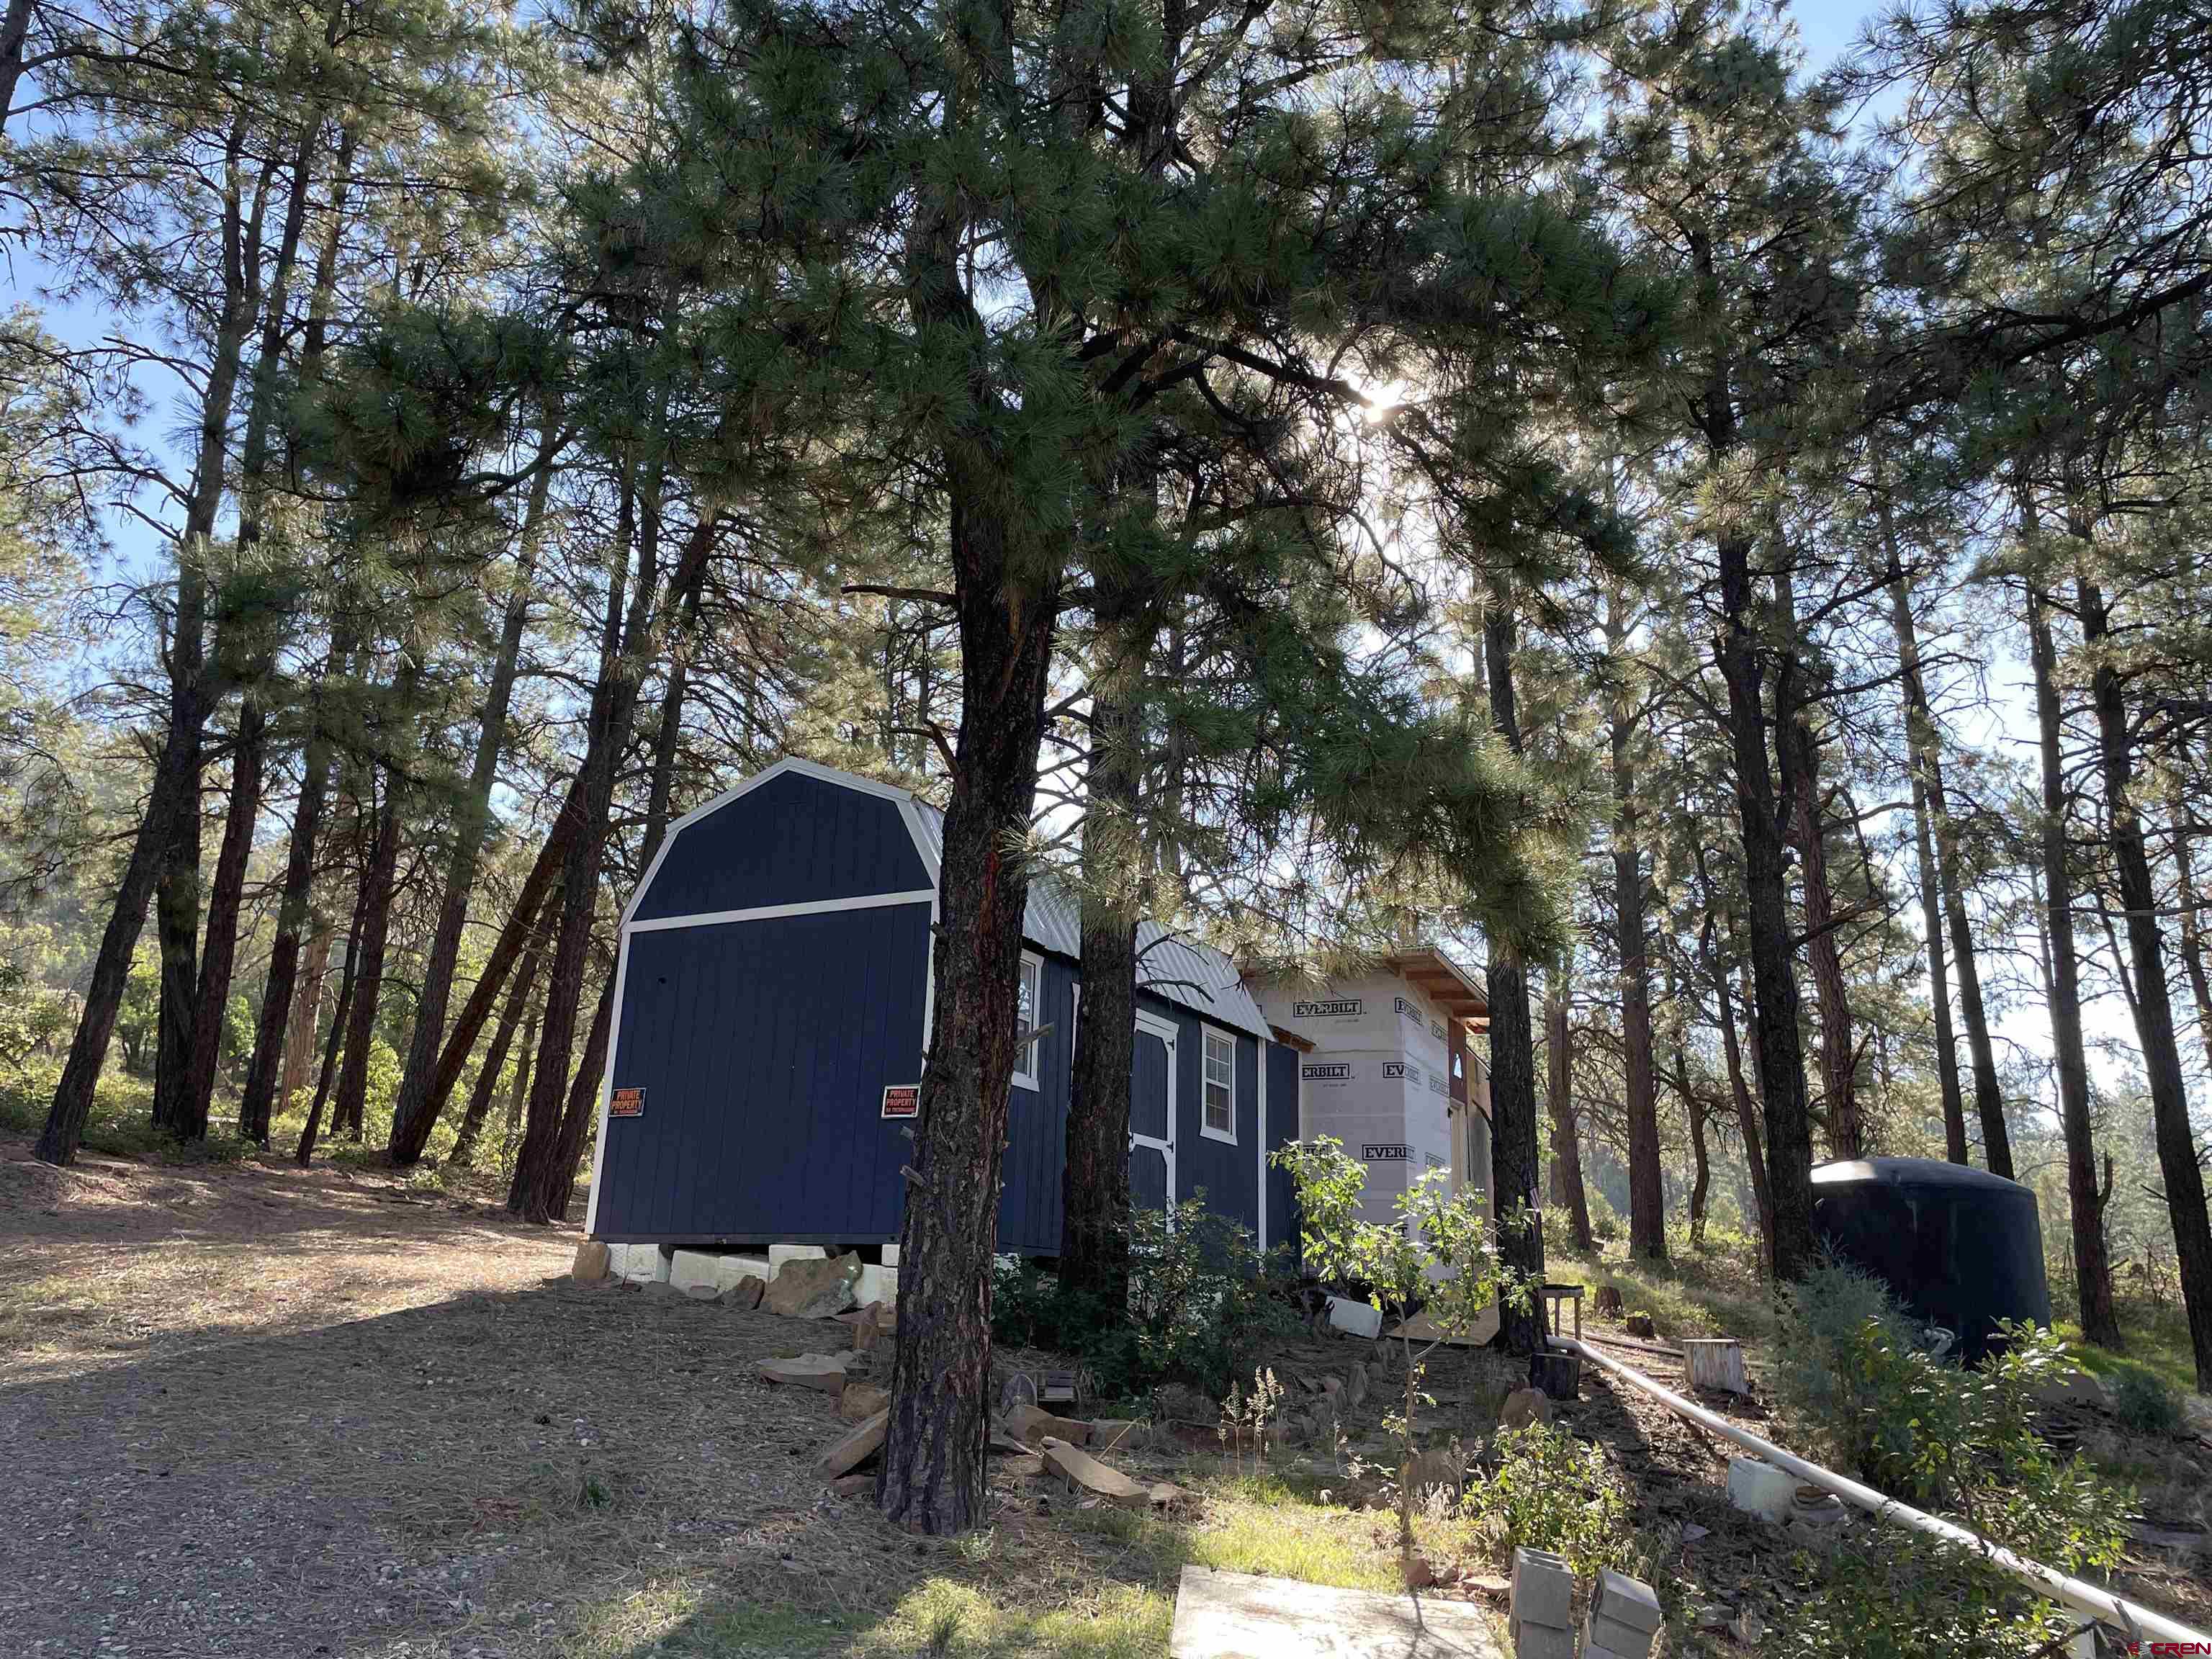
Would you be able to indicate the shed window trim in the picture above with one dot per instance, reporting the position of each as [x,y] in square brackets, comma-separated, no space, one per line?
[1031,982]
[1218,1087]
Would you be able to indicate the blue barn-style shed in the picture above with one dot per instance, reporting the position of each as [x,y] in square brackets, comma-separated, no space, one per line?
[772,1005]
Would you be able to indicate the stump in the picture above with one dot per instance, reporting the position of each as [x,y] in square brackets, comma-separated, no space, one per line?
[1558,1375]
[1715,1363]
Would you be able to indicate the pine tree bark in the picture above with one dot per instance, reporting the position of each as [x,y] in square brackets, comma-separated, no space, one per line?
[170,829]
[1567,1139]
[1647,1202]
[933,1460]
[2192,918]
[225,901]
[1746,1109]
[1515,1167]
[1921,758]
[2154,1012]
[1094,1249]
[340,1016]
[414,1114]
[1774,986]
[1823,949]
[2093,1272]
[303,1021]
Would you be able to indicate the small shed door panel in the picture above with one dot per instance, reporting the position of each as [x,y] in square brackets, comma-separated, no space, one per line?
[1151,1115]
[763,1048]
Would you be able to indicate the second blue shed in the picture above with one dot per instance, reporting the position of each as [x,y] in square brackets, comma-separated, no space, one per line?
[772,1007]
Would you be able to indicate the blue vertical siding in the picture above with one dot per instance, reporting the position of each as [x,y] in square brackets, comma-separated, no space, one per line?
[763,1048]
[793,840]
[1228,1175]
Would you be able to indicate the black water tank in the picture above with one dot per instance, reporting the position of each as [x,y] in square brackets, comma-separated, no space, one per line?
[1958,1247]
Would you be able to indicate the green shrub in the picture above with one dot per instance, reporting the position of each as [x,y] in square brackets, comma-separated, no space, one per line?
[1204,1307]
[1820,1374]
[1552,1491]
[2145,1402]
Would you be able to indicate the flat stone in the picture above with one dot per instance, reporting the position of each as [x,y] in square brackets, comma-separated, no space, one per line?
[590,1264]
[1080,1468]
[861,1400]
[854,1485]
[1031,1424]
[825,1372]
[856,1447]
[1240,1615]
[780,1254]
[745,1293]
[1108,1433]
[808,1288]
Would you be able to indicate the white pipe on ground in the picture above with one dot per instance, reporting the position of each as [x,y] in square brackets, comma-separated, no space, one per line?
[2102,1605]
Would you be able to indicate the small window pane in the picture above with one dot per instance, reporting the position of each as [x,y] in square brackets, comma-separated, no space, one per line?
[1220,1084]
[1025,1061]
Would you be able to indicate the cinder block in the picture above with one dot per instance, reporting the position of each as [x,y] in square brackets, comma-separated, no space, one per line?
[643,1264]
[1543,1589]
[729,1269]
[1610,1636]
[876,1284]
[1362,1319]
[780,1254]
[1542,1641]
[690,1270]
[890,1255]
[1760,1489]
[1625,1601]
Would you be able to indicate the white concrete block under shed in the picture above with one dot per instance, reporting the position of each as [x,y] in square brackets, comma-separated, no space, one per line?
[1240,1615]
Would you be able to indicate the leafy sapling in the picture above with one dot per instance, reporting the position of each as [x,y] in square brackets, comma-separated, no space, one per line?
[1441,1254]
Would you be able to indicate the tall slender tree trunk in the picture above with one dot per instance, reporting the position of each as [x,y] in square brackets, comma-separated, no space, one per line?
[487,1076]
[2192,918]
[1567,1139]
[519,1095]
[341,1014]
[168,835]
[414,1114]
[347,1115]
[224,902]
[1647,1200]
[1094,1250]
[1921,759]
[1823,948]
[2092,1270]
[302,1023]
[1774,985]
[1515,1167]
[2154,1013]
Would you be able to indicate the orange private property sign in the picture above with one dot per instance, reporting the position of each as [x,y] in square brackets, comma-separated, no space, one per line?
[627,1102]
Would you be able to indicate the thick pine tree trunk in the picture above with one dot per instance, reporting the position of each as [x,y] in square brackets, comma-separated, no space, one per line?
[225,901]
[1515,1167]
[1094,1249]
[1567,1139]
[2154,1012]
[934,1471]
[1774,986]
[2092,1270]
[1921,752]
[415,1112]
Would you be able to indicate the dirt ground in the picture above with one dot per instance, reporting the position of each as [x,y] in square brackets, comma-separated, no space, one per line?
[257,1412]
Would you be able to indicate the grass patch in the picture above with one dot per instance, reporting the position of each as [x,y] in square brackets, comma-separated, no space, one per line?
[2158,1345]
[1712,1292]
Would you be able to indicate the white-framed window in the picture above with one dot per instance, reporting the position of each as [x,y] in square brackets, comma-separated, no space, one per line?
[1217,1115]
[1026,1022]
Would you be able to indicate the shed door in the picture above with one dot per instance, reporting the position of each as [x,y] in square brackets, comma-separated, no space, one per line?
[1151,1113]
